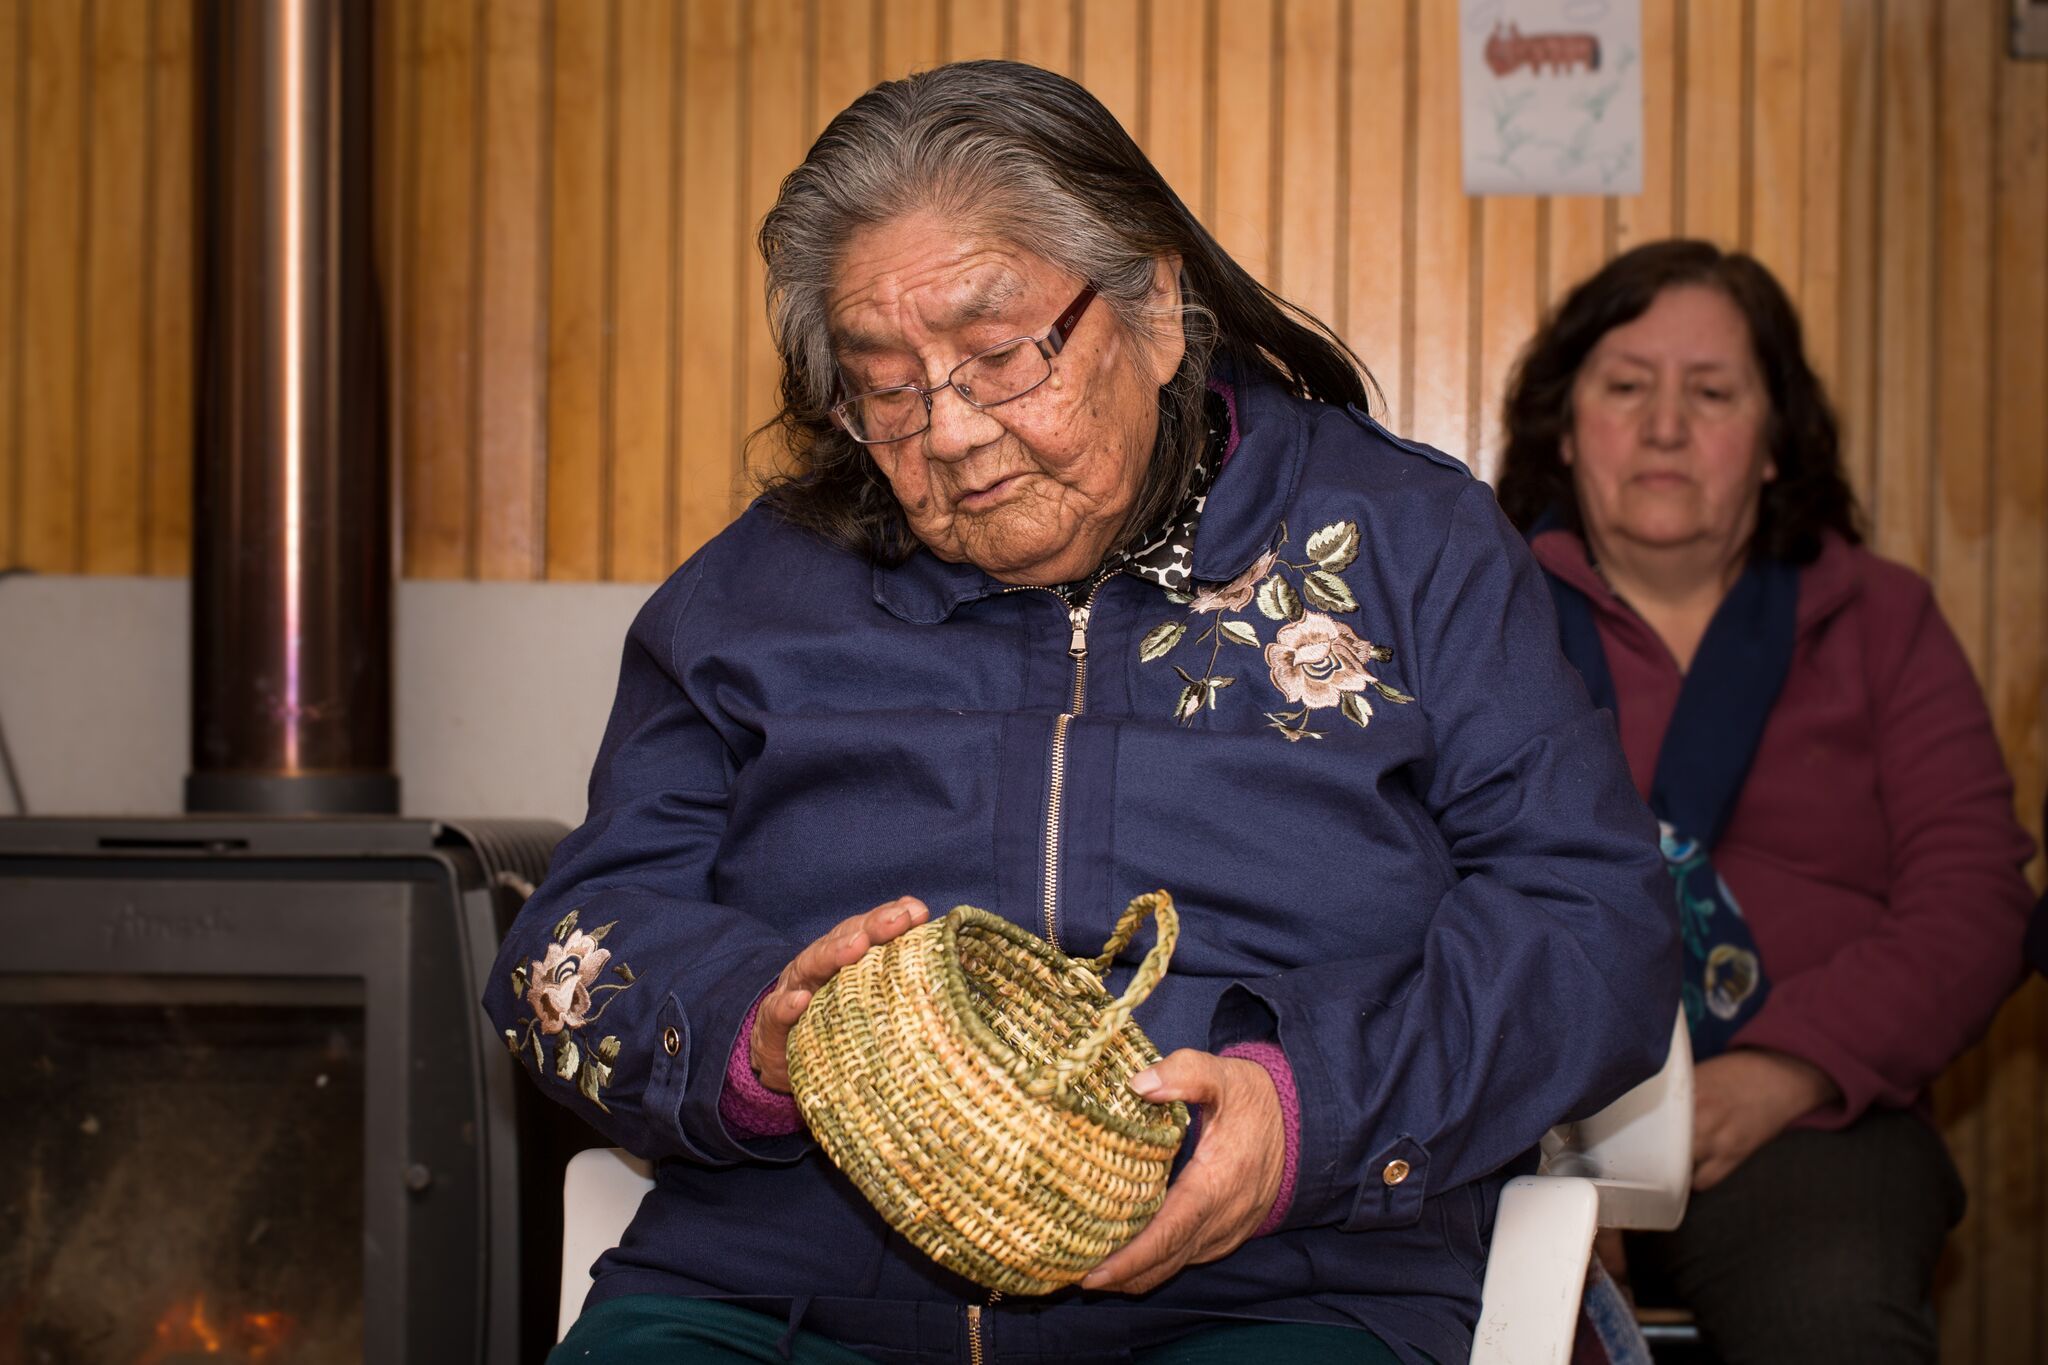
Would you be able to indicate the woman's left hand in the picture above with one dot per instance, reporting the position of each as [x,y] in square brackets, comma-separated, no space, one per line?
[1227,1187]
[1744,1098]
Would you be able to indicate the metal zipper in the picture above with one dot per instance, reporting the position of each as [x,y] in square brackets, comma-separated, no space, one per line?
[974,1349]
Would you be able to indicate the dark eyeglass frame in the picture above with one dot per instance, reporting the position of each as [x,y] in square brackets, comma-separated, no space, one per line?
[1049,345]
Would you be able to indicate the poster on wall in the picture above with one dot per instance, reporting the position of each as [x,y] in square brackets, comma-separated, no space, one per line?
[1552,96]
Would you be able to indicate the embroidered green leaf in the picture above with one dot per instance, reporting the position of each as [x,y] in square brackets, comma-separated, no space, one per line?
[1378,653]
[1277,600]
[1216,685]
[1391,693]
[519,983]
[1327,592]
[608,1049]
[1239,633]
[564,925]
[1356,709]
[566,1058]
[540,1055]
[512,1040]
[1335,546]
[597,934]
[1160,640]
[1179,599]
[1190,701]
[625,973]
[593,1078]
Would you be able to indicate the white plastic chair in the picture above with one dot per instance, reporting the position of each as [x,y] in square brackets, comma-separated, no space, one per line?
[1628,1166]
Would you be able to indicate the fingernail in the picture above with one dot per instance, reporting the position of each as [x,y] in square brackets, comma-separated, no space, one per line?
[1092,1279]
[1146,1083]
[897,914]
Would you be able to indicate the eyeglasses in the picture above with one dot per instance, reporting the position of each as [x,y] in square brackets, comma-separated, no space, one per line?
[999,374]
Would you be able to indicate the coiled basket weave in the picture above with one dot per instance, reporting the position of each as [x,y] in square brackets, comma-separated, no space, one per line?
[973,1081]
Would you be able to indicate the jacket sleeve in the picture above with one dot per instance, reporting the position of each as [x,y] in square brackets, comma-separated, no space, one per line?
[1547,980]
[1889,1010]
[622,984]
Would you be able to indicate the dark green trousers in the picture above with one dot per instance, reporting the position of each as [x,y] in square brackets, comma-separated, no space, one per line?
[663,1329]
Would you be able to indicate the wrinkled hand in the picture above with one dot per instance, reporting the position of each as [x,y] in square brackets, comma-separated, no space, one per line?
[1744,1098]
[1227,1187]
[768,1049]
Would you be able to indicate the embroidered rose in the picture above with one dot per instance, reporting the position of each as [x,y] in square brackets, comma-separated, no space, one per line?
[1316,661]
[560,990]
[1236,595]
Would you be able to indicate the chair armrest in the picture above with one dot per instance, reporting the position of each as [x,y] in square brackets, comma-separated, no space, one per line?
[1536,1271]
[601,1191]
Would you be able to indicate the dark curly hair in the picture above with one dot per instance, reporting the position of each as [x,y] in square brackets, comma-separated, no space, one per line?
[1810,494]
[1032,158]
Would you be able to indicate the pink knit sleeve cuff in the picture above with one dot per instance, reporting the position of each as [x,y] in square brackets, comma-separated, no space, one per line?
[749,1108]
[1269,1056]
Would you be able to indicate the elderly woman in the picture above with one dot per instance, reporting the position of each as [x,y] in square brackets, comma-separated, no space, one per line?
[1803,721]
[1092,575]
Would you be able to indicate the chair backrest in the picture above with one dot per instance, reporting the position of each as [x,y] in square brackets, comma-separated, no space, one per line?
[1638,1150]
[601,1191]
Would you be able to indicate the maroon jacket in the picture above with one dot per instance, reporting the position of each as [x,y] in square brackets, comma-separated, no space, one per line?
[1873,850]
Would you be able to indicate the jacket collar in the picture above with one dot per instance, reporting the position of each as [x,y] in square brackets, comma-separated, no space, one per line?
[1825,586]
[1261,464]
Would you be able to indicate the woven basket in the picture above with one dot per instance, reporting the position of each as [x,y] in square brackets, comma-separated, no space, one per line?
[972,1081]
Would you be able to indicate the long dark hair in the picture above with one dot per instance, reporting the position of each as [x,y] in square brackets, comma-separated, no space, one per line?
[1810,494]
[1032,158]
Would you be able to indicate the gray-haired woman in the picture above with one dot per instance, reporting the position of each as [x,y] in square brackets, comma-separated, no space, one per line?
[1091,575]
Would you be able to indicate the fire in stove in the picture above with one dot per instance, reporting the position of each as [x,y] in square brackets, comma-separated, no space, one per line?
[187,1332]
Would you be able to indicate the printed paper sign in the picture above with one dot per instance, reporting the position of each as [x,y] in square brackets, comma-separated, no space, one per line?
[1553,96]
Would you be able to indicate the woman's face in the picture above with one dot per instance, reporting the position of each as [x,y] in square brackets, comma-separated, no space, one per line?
[1030,491]
[1667,448]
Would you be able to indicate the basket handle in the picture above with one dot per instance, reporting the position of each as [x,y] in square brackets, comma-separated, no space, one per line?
[1057,1075]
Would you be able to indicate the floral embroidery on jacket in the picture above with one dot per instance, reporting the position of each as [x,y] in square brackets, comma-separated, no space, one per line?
[1314,661]
[562,990]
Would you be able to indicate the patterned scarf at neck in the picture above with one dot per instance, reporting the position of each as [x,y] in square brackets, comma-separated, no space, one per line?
[1165,557]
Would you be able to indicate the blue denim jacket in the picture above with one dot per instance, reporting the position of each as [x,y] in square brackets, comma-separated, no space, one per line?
[1402,842]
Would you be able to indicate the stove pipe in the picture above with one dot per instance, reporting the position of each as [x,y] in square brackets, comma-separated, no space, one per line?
[291,560]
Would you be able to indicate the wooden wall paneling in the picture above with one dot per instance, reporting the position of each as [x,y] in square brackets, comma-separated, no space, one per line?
[14,322]
[716,246]
[777,127]
[52,281]
[2009,1271]
[1047,35]
[1379,152]
[508,318]
[579,202]
[1645,217]
[1247,124]
[1442,402]
[1312,160]
[1510,271]
[441,239]
[112,344]
[1112,58]
[976,28]
[845,58]
[1178,98]
[394,141]
[1776,158]
[1856,361]
[641,407]
[1576,246]
[1820,191]
[1901,505]
[1712,177]
[173,341]
[910,36]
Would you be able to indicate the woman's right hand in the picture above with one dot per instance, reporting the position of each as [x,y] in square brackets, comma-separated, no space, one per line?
[768,1049]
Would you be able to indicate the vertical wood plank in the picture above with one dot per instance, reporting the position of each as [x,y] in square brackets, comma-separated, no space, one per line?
[1245,123]
[51,285]
[1311,158]
[1711,182]
[511,341]
[1652,214]
[1577,245]
[1821,193]
[13,257]
[1045,34]
[1777,142]
[1900,499]
[846,62]
[112,344]
[1177,99]
[173,273]
[775,144]
[642,401]
[1856,365]
[1379,154]
[577,322]
[976,28]
[1111,53]
[715,245]
[1442,405]
[1509,275]
[910,36]
[436,478]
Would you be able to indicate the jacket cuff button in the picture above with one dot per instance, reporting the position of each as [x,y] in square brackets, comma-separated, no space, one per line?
[672,1043]
[1395,1172]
